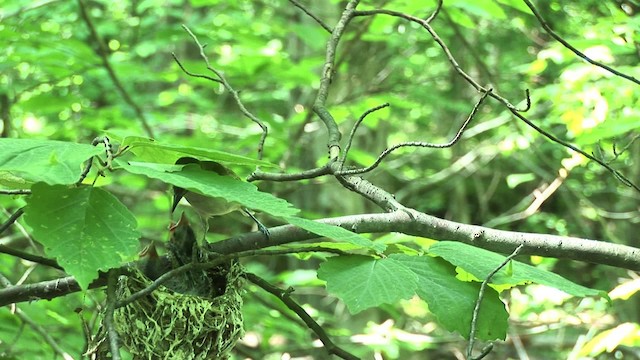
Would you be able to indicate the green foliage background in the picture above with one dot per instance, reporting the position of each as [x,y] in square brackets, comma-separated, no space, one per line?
[53,85]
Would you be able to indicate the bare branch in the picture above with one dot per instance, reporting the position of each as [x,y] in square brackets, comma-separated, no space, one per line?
[515,111]
[12,219]
[202,76]
[311,15]
[355,128]
[419,143]
[285,297]
[407,221]
[222,80]
[16,192]
[435,12]
[580,54]
[29,257]
[476,309]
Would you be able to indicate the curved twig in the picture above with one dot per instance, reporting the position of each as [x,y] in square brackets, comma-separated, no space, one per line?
[222,80]
[435,12]
[347,147]
[15,216]
[285,297]
[476,309]
[311,15]
[419,143]
[515,111]
[580,54]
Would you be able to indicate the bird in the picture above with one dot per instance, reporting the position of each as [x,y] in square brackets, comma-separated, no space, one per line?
[182,249]
[182,246]
[206,206]
[151,263]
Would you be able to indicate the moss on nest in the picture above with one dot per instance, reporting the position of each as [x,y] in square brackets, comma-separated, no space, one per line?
[171,325]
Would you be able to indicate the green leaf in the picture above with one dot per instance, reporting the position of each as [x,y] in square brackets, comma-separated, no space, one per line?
[514,180]
[452,301]
[608,129]
[517,4]
[336,233]
[86,229]
[54,162]
[363,282]
[193,178]
[480,263]
[485,8]
[152,151]
[343,246]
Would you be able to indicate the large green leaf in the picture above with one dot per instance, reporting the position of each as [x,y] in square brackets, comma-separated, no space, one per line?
[336,233]
[452,301]
[484,8]
[193,178]
[479,263]
[53,162]
[86,229]
[363,282]
[153,151]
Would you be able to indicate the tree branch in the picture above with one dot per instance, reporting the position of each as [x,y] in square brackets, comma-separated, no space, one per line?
[406,221]
[420,224]
[285,297]
[580,54]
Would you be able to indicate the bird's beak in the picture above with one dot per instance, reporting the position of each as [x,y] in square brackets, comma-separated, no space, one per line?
[182,222]
[178,193]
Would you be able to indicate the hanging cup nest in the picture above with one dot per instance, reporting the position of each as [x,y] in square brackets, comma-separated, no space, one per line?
[197,315]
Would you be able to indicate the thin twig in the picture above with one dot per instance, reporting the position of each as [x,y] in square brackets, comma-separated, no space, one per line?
[285,297]
[347,147]
[29,257]
[311,15]
[617,153]
[230,89]
[102,52]
[476,309]
[419,143]
[515,111]
[580,54]
[527,95]
[16,215]
[16,192]
[435,12]
[202,76]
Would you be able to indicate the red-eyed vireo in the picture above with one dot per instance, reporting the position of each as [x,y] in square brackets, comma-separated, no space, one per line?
[182,249]
[206,206]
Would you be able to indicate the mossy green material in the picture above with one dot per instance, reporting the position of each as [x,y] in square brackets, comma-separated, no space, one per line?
[172,325]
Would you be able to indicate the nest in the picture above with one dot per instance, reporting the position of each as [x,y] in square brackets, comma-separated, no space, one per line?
[175,322]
